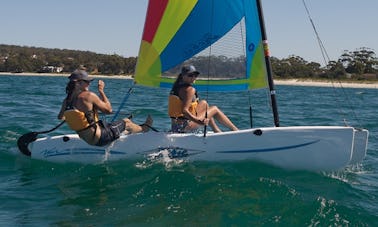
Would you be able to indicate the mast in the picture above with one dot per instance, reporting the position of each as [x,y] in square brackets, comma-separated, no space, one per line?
[268,65]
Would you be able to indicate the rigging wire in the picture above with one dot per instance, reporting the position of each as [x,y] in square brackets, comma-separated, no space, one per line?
[123,102]
[209,65]
[326,60]
[242,35]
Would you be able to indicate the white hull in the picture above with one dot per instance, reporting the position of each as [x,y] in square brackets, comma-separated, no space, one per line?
[314,148]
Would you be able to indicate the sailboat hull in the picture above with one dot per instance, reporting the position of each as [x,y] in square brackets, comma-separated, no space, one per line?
[360,143]
[315,148]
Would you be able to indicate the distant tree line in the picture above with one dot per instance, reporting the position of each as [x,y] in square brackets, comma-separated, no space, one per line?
[361,64]
[34,59]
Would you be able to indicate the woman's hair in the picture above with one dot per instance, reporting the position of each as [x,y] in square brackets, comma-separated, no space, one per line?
[178,81]
[69,91]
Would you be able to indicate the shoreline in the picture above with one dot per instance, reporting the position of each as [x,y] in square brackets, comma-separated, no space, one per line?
[290,82]
[336,84]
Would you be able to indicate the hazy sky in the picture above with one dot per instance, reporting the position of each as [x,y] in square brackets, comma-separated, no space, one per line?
[115,26]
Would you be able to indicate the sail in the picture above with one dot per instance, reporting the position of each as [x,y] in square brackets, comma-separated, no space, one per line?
[177,30]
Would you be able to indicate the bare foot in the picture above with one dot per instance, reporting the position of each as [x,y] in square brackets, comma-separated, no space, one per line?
[147,124]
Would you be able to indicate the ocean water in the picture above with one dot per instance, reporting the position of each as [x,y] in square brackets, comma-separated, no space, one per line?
[152,193]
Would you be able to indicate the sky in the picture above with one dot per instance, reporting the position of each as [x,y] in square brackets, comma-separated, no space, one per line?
[115,26]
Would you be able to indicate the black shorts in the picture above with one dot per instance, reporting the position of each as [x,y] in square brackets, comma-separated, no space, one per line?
[179,125]
[110,131]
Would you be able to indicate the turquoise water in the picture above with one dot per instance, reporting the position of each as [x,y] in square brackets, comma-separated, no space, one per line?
[124,193]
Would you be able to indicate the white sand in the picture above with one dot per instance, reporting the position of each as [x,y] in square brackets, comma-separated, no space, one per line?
[299,82]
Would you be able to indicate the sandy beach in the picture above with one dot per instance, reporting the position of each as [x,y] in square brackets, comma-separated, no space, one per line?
[337,84]
[293,82]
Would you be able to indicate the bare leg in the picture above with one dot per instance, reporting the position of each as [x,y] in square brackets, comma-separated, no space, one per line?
[135,128]
[147,124]
[201,109]
[214,111]
[214,126]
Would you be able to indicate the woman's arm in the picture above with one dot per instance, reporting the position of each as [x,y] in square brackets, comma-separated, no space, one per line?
[186,95]
[102,102]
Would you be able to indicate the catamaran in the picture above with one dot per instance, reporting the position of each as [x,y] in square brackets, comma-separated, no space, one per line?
[175,32]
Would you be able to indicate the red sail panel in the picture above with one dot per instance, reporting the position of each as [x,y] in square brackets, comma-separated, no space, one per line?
[155,12]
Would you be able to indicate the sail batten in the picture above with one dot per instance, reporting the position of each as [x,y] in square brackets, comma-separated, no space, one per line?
[181,30]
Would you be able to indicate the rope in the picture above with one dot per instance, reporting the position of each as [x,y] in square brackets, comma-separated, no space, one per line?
[47,131]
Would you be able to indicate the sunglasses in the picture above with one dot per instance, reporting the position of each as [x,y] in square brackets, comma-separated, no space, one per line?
[86,81]
[192,75]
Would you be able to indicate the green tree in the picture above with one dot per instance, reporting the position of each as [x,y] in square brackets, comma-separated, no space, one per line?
[362,60]
[335,70]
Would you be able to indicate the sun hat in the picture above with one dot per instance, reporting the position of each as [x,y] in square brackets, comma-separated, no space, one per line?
[189,69]
[79,75]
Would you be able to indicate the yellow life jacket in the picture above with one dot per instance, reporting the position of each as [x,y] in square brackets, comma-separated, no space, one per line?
[175,107]
[77,120]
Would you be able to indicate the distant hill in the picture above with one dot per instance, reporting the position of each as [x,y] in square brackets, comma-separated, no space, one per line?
[36,59]
[360,64]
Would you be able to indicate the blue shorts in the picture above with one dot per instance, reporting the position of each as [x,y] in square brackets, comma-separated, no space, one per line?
[110,131]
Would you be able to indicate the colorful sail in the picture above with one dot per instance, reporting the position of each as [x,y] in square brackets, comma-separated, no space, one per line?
[177,30]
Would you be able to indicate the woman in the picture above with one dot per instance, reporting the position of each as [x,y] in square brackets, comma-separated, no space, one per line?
[80,111]
[186,111]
